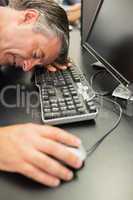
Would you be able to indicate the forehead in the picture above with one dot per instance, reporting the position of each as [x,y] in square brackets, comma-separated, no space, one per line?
[49,45]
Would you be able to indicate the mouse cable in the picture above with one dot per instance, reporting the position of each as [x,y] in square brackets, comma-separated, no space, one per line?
[96,145]
[103,94]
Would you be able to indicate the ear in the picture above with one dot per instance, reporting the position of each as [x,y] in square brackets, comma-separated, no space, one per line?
[30,16]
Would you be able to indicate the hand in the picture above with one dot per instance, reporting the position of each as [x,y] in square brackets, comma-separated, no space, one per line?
[55,66]
[33,150]
[74,12]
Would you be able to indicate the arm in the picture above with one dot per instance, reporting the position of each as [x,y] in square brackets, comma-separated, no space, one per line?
[74,12]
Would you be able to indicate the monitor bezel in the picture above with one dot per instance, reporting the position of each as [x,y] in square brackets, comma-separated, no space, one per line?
[109,67]
[95,8]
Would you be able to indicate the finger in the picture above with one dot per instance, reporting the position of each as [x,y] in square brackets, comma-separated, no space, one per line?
[60,67]
[64,66]
[59,135]
[59,151]
[39,176]
[69,64]
[51,68]
[50,166]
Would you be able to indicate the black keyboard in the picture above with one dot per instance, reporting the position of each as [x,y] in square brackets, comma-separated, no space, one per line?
[65,96]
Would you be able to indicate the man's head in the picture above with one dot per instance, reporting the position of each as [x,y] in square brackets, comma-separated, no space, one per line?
[33,32]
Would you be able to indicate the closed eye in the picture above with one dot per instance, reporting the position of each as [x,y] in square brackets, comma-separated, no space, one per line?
[38,54]
[35,56]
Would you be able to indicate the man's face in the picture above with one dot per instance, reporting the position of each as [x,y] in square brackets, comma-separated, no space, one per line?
[25,48]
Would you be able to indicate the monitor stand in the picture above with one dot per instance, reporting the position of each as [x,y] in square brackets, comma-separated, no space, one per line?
[125,98]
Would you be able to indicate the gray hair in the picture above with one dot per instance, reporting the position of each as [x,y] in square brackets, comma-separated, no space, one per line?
[52,20]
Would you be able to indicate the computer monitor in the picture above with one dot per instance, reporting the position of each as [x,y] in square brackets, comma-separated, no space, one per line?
[110,39]
[88,11]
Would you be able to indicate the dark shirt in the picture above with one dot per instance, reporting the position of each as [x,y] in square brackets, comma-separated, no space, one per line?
[71,2]
[3,2]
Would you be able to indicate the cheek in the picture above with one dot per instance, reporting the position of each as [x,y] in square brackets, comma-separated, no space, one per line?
[26,48]
[1,57]
[5,59]
[53,53]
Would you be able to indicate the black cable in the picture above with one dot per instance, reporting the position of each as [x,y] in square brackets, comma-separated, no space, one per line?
[93,77]
[90,150]
[96,145]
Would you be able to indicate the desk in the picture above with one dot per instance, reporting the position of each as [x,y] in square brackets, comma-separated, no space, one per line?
[107,173]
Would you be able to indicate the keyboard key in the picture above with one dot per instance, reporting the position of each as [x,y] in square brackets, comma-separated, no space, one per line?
[48,115]
[73,112]
[77,101]
[65,91]
[51,92]
[47,110]
[61,101]
[75,97]
[64,88]
[66,94]
[69,112]
[68,99]
[92,108]
[63,108]
[52,101]
[79,105]
[54,105]
[55,109]
[52,115]
[73,93]
[68,82]
[46,105]
[71,86]
[56,115]
[89,103]
[81,110]
[62,104]
[71,107]
[62,83]
[69,102]
[45,97]
[72,89]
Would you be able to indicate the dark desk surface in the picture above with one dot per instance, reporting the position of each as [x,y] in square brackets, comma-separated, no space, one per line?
[108,171]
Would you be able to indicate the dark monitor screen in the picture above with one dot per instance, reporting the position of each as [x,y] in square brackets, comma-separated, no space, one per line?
[89,9]
[111,38]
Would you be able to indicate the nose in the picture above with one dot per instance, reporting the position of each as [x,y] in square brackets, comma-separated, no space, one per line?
[29,64]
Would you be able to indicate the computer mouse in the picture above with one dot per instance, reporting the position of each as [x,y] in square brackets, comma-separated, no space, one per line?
[80,152]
